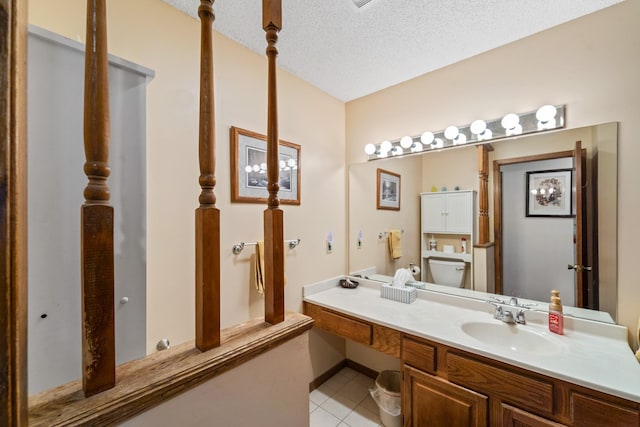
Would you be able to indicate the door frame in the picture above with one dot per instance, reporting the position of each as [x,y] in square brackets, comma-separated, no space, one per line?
[497,203]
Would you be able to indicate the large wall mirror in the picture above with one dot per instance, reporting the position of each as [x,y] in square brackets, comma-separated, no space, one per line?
[533,261]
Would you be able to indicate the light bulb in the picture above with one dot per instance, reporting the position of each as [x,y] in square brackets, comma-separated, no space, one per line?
[451,132]
[546,113]
[437,143]
[516,130]
[282,164]
[256,168]
[291,162]
[397,150]
[427,138]
[263,166]
[406,142]
[385,147]
[487,134]
[460,139]
[417,147]
[510,121]
[369,149]
[248,169]
[478,126]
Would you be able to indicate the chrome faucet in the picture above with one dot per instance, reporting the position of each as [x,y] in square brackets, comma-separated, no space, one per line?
[507,316]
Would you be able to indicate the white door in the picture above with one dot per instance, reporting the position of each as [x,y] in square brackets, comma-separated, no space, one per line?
[433,213]
[458,215]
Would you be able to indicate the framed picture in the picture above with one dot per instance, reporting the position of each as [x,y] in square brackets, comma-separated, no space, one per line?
[549,193]
[388,193]
[249,169]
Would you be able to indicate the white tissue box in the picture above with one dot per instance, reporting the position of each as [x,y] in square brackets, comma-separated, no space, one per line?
[397,293]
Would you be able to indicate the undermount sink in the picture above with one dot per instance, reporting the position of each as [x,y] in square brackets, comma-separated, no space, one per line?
[517,338]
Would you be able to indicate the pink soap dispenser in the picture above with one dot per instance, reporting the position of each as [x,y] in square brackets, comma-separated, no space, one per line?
[556,318]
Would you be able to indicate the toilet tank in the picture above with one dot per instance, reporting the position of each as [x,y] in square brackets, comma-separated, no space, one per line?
[447,273]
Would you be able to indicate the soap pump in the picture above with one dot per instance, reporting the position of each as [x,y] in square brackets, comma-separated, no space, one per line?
[556,318]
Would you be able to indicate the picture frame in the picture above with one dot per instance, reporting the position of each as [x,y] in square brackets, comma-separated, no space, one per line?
[388,191]
[248,168]
[549,193]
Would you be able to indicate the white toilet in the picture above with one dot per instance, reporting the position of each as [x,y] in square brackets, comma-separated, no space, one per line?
[447,273]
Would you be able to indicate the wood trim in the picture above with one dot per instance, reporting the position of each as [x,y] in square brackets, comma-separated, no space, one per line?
[207,214]
[13,213]
[497,204]
[483,193]
[317,382]
[97,255]
[484,245]
[345,363]
[145,383]
[273,215]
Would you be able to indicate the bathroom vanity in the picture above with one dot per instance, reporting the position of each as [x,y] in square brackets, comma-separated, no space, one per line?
[462,367]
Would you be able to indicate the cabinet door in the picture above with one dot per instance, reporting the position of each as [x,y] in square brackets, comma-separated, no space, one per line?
[430,401]
[433,211]
[458,213]
[514,417]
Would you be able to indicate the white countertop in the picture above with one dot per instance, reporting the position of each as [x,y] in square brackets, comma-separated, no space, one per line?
[592,354]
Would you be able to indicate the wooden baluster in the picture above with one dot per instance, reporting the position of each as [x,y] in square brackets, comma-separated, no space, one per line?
[273,216]
[13,213]
[483,199]
[98,332]
[207,215]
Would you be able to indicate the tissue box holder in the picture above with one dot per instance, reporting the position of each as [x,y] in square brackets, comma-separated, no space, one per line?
[397,293]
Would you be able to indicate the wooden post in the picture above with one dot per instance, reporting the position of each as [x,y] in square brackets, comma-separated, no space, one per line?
[273,216]
[13,213]
[207,215]
[98,331]
[483,199]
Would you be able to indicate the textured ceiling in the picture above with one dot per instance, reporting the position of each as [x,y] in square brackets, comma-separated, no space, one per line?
[350,52]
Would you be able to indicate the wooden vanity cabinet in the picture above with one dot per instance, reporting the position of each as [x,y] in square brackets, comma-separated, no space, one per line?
[447,387]
[430,401]
[379,337]
[513,397]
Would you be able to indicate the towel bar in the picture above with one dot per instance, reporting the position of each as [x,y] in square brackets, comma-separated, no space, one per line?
[384,233]
[238,247]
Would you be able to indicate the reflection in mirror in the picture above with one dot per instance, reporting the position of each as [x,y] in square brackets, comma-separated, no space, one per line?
[521,264]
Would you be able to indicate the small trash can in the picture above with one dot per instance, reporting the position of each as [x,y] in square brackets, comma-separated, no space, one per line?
[386,393]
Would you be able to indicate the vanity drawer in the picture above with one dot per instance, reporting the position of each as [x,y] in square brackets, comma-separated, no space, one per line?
[588,411]
[520,390]
[419,355]
[386,340]
[339,324]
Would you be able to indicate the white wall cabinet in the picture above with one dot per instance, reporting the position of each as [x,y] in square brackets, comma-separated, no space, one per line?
[449,216]
[447,212]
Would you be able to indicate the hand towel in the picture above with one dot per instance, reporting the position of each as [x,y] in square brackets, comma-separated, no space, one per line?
[395,245]
[259,266]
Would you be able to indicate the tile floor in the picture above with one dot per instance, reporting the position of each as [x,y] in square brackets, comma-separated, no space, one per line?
[344,401]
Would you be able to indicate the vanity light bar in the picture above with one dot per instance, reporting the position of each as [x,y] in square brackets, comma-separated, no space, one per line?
[545,118]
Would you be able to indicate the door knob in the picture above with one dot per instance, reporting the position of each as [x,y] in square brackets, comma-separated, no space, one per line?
[578,268]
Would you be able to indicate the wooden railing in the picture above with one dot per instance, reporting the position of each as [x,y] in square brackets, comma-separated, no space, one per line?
[97,254]
[207,215]
[97,263]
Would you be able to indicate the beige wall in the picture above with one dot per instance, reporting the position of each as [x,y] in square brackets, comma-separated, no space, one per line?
[157,36]
[588,64]
[363,215]
[256,393]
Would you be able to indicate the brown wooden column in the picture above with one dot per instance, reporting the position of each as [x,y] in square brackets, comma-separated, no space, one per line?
[98,332]
[13,213]
[273,216]
[483,196]
[207,215]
